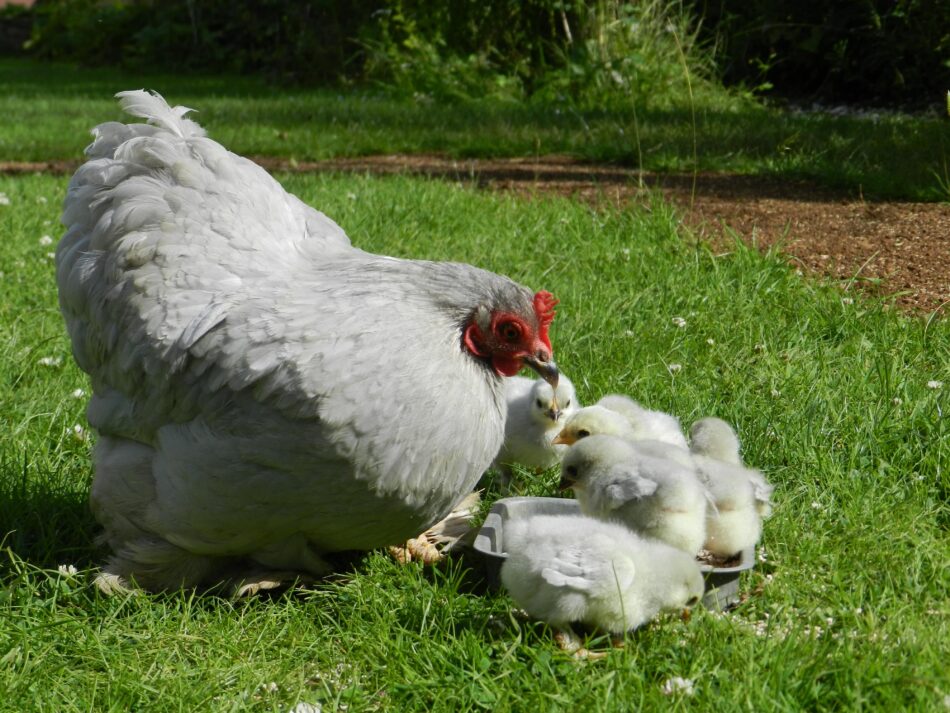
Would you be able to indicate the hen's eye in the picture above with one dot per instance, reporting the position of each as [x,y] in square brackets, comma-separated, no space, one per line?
[583,433]
[509,331]
[540,403]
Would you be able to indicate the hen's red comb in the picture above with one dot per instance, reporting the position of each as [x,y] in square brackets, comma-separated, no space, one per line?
[544,308]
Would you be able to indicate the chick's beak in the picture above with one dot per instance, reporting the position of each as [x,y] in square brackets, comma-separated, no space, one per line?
[564,439]
[566,483]
[553,413]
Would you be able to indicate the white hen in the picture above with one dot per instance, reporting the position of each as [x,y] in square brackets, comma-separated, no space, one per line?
[614,479]
[264,392]
[565,569]
[741,495]
[534,418]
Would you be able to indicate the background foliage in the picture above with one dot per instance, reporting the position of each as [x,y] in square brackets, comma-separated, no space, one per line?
[598,52]
[867,52]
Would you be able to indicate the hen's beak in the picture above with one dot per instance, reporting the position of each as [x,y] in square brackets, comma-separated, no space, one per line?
[546,369]
[564,439]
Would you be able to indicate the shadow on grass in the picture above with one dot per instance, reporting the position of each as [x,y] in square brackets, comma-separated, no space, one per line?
[47,525]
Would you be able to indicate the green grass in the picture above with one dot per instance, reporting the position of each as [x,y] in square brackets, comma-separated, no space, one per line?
[830,397]
[46,111]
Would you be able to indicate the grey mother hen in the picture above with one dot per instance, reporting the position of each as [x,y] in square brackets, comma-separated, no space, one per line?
[264,392]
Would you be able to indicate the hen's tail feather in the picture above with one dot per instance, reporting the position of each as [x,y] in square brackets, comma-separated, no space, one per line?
[152,107]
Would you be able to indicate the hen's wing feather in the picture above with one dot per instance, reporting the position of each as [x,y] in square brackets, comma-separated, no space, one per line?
[169,236]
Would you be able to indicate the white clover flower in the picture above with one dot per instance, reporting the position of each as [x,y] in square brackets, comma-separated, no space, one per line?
[42,199]
[4,199]
[847,300]
[679,322]
[897,401]
[763,555]
[306,708]
[79,393]
[351,196]
[759,347]
[51,256]
[674,368]
[711,342]
[677,684]
[816,505]
[269,687]
[775,393]
[934,384]
[51,361]
[67,570]
[46,240]
[79,433]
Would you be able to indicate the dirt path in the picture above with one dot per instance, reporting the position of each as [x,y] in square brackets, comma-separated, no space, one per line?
[898,248]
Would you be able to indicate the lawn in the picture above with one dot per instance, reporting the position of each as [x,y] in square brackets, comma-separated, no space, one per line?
[49,108]
[839,398]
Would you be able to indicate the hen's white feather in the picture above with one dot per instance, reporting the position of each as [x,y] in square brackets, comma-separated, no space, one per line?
[151,107]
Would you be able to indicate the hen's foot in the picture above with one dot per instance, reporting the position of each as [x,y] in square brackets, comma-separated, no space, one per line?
[255,582]
[111,584]
[417,549]
[570,642]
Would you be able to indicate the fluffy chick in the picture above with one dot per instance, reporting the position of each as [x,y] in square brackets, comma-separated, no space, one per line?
[741,495]
[534,419]
[646,424]
[715,438]
[564,569]
[617,480]
[600,421]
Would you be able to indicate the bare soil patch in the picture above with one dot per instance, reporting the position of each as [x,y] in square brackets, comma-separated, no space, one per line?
[896,248]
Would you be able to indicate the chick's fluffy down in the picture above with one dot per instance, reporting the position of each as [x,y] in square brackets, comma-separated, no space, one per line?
[565,569]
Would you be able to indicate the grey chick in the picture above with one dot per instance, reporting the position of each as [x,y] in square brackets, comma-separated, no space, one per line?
[614,479]
[741,495]
[534,418]
[565,569]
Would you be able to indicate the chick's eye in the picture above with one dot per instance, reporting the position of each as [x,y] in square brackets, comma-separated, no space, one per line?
[571,470]
[567,404]
[583,433]
[540,403]
[509,331]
